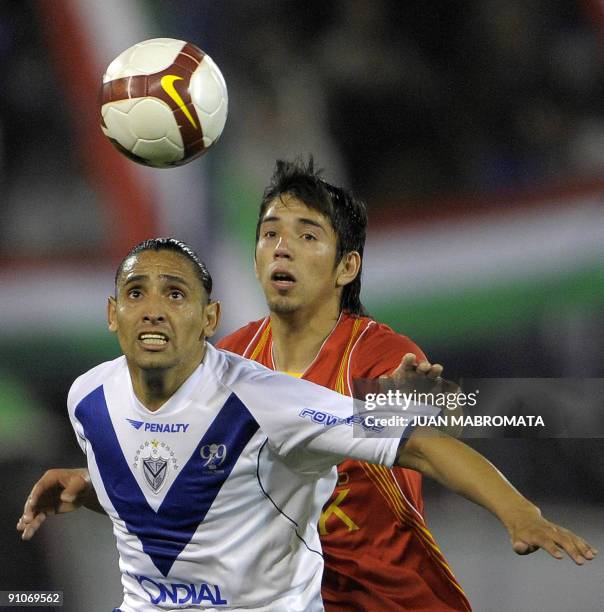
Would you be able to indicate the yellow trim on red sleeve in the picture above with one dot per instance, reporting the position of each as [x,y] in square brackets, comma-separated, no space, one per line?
[387,485]
[261,342]
[340,385]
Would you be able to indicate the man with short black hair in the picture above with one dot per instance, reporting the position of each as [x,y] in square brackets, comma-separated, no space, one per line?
[310,238]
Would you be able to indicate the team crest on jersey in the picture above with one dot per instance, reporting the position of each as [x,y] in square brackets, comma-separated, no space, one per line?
[214,455]
[155,459]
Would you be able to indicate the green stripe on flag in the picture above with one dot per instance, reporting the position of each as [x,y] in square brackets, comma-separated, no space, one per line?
[490,311]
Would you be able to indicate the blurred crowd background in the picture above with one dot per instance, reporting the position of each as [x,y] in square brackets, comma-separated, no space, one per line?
[474,131]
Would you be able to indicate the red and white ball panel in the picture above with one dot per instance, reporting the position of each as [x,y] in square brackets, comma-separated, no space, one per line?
[164,102]
[146,57]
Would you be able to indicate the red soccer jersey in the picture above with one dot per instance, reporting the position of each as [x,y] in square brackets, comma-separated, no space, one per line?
[379,554]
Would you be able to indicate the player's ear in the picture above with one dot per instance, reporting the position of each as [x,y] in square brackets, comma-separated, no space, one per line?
[111,314]
[211,318]
[348,268]
[256,266]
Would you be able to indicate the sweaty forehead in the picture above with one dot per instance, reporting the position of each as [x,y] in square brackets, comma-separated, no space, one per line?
[156,263]
[288,205]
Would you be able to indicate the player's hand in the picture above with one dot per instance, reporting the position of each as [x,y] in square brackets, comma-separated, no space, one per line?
[529,531]
[57,492]
[424,375]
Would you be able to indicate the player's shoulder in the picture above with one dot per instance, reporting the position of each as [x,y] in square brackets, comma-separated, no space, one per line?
[240,375]
[379,349]
[380,334]
[239,339]
[93,378]
[229,366]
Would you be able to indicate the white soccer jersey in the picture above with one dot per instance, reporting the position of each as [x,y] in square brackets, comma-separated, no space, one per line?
[215,497]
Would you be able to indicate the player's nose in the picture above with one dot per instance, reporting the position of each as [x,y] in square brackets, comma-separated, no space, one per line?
[153,318]
[282,249]
[153,312]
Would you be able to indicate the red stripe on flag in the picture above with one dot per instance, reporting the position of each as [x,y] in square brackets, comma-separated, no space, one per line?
[410,213]
[127,200]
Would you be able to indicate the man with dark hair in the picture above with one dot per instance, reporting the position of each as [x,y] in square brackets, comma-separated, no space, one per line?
[183,440]
[208,465]
[170,244]
[346,213]
[310,238]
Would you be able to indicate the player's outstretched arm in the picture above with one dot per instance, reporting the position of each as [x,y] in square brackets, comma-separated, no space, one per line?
[57,492]
[463,470]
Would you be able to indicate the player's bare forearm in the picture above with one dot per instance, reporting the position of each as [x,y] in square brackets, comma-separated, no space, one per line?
[464,471]
[461,469]
[57,492]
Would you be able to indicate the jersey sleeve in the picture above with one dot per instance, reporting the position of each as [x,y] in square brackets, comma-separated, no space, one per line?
[380,352]
[238,340]
[81,387]
[73,397]
[309,425]
[230,342]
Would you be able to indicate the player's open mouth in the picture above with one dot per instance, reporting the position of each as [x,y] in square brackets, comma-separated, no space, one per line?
[153,339]
[282,280]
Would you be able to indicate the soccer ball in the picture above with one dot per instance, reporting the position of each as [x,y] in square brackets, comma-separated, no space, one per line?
[163,102]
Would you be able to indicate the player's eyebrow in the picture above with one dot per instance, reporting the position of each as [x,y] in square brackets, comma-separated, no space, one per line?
[174,279]
[270,219]
[311,222]
[299,220]
[138,278]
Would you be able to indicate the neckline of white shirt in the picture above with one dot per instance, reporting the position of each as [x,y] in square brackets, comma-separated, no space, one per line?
[177,402]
